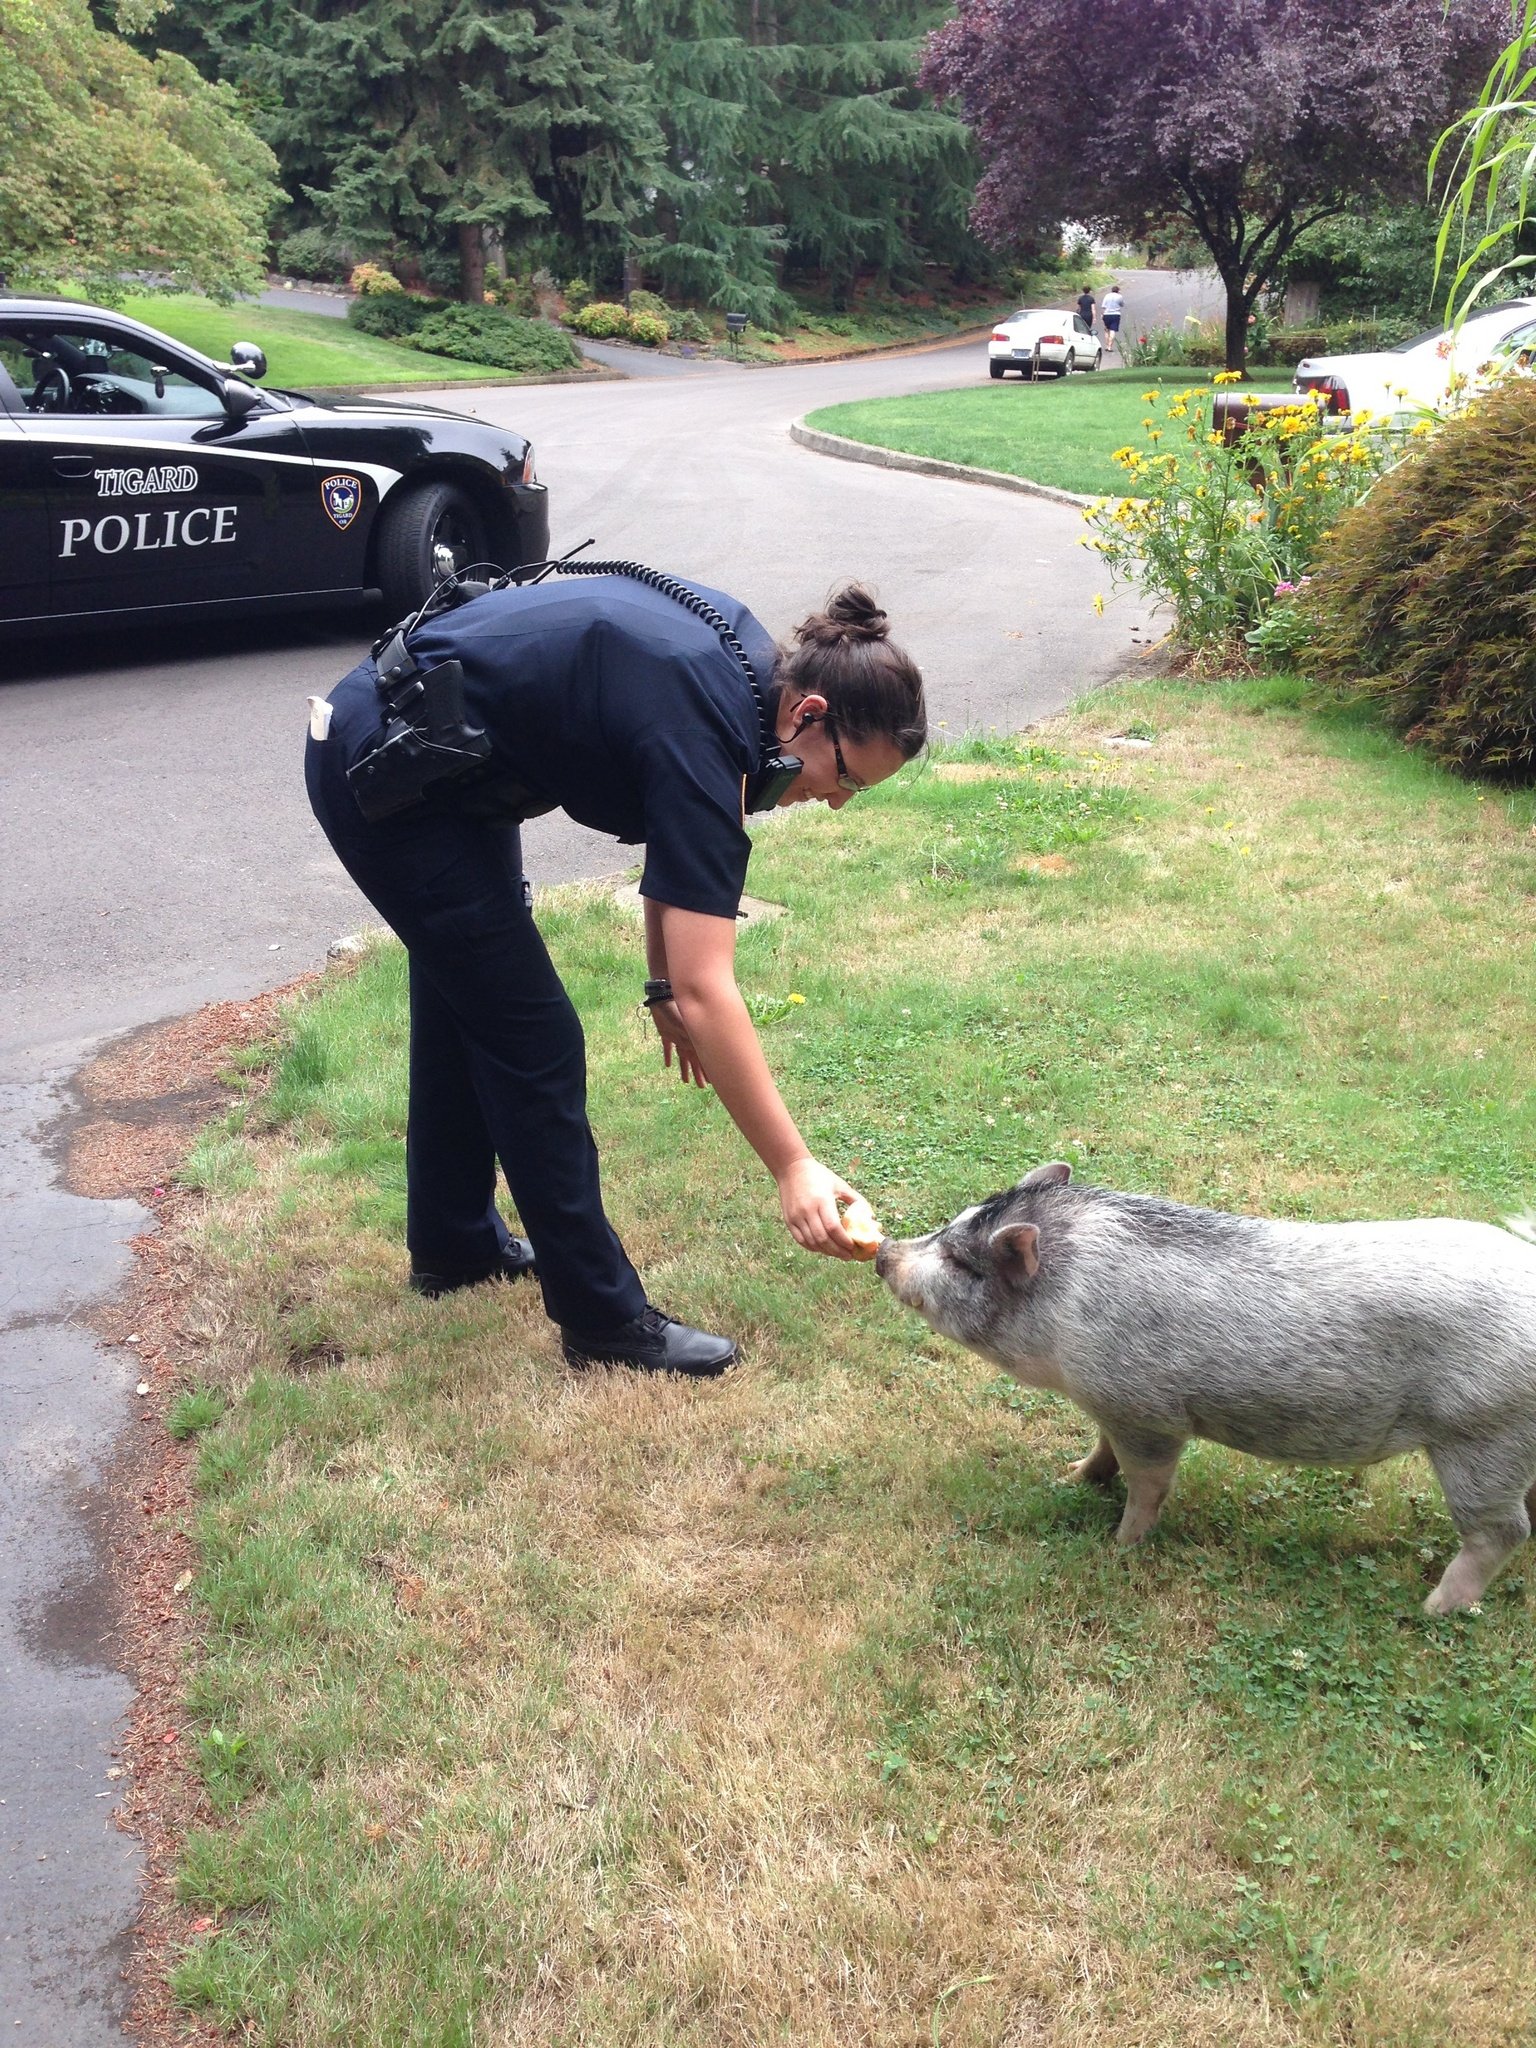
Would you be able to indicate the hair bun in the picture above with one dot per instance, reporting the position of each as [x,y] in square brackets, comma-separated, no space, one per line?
[851,614]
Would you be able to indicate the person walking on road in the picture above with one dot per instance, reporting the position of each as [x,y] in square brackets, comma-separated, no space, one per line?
[642,708]
[1114,307]
[1085,305]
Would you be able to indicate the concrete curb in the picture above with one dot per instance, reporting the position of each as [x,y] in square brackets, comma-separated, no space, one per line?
[927,465]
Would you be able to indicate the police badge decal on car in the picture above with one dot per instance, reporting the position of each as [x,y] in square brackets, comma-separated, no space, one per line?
[341,496]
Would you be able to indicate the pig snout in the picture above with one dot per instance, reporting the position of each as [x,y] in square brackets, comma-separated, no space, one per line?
[894,1266]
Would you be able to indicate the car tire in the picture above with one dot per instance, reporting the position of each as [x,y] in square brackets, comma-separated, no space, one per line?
[997,369]
[1098,360]
[1070,364]
[426,533]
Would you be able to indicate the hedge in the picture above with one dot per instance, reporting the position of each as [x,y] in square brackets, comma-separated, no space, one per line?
[1424,599]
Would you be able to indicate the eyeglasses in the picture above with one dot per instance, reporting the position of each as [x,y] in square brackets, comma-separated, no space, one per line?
[844,780]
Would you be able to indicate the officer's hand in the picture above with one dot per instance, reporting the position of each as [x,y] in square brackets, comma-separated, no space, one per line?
[809,1194]
[668,1019]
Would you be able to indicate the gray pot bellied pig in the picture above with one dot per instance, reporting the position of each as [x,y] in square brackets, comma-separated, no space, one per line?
[1313,1343]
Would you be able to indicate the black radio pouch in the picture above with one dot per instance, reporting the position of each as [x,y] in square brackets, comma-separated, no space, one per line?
[427,738]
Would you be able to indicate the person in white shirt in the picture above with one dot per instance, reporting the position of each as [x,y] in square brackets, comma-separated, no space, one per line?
[1111,306]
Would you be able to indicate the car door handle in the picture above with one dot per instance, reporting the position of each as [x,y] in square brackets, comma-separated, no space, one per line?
[74,465]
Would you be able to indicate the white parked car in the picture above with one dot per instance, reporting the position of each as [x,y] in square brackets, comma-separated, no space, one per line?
[1043,339]
[1418,373]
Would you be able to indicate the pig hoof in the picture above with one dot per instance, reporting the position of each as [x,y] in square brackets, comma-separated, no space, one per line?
[1442,1602]
[1090,1471]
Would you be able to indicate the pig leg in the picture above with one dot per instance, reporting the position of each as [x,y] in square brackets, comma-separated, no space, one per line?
[1099,1467]
[1149,1463]
[1485,1490]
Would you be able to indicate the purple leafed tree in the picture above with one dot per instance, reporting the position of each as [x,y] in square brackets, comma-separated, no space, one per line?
[1249,119]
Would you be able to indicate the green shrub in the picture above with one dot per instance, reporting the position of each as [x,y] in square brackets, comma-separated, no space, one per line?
[1424,600]
[650,302]
[1159,345]
[1205,344]
[1286,346]
[391,315]
[317,253]
[602,321]
[649,329]
[503,341]
[514,294]
[691,327]
[578,294]
[369,279]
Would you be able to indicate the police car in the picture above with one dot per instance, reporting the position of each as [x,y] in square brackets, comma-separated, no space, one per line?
[140,478]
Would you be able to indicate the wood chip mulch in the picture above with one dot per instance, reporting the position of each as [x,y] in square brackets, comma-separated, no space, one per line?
[141,1103]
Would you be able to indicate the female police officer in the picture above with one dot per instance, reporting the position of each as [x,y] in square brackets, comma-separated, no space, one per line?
[619,703]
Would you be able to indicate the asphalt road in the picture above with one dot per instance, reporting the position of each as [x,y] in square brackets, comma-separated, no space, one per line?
[158,853]
[157,847]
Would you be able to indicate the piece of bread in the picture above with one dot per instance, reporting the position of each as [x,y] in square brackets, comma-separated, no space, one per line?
[859,1222]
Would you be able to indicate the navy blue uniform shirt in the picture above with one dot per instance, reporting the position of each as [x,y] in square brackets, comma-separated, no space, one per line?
[621,708]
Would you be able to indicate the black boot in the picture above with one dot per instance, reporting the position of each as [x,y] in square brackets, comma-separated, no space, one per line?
[653,1342]
[516,1260]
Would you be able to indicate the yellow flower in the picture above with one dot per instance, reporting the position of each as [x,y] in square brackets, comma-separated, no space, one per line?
[1098,603]
[794,998]
[1149,397]
[1228,377]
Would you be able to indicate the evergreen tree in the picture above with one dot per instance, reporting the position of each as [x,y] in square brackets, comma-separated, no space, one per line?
[724,144]
[797,140]
[714,229]
[423,119]
[871,173]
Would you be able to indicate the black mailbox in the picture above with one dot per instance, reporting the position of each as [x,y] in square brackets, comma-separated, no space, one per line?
[735,323]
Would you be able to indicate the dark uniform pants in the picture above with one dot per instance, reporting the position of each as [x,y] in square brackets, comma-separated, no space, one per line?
[498,1060]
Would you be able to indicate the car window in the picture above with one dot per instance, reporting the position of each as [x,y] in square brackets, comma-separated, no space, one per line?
[1520,344]
[14,362]
[1403,348]
[65,370]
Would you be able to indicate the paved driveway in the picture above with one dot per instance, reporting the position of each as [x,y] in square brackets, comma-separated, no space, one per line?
[158,852]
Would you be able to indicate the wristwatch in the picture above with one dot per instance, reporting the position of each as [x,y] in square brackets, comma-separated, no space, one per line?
[657,992]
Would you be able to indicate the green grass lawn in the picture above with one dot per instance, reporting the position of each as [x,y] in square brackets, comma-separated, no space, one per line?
[1060,431]
[305,351]
[811,1706]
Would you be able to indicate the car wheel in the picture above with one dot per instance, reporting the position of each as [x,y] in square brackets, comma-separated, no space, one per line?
[1098,360]
[428,533]
[1070,364]
[996,369]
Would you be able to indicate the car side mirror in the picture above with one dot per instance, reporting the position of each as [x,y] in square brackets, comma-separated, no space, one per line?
[240,401]
[248,359]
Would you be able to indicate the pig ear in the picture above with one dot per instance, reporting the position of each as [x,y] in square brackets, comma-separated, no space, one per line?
[1016,1247]
[1056,1175]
